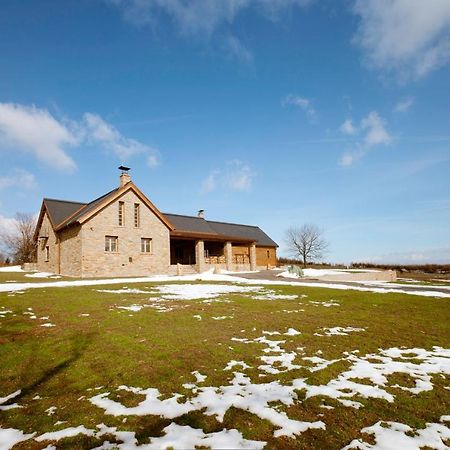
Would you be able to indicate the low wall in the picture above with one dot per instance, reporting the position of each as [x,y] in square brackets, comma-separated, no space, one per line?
[29,267]
[382,275]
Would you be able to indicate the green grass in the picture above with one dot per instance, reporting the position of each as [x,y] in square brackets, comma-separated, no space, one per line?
[111,347]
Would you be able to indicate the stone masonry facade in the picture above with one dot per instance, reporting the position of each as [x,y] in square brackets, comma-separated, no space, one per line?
[128,260]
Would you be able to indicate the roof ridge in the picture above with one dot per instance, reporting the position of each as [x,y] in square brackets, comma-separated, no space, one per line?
[102,196]
[185,215]
[234,223]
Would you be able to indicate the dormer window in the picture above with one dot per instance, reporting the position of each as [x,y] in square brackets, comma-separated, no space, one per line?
[121,214]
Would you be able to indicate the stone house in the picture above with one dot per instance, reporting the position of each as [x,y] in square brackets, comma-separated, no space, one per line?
[122,234]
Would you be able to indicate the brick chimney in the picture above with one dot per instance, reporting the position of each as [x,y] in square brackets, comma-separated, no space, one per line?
[124,176]
[201,213]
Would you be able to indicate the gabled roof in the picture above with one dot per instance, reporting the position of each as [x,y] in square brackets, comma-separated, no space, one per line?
[63,213]
[250,232]
[198,225]
[190,224]
[87,208]
[59,210]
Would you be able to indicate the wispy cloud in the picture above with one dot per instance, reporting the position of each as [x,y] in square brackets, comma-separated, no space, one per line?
[348,128]
[404,105]
[301,102]
[374,131]
[234,47]
[235,176]
[98,131]
[409,38]
[205,18]
[200,16]
[436,255]
[18,178]
[37,132]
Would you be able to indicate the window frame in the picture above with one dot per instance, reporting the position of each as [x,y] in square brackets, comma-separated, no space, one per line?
[47,253]
[109,240]
[121,214]
[146,246]
[137,215]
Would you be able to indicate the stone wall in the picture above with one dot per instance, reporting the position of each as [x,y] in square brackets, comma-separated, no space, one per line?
[128,260]
[46,231]
[266,256]
[70,251]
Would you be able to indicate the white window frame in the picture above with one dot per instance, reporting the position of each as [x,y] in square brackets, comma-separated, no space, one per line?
[110,243]
[147,246]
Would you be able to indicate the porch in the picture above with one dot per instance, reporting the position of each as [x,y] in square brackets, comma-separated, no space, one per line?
[204,254]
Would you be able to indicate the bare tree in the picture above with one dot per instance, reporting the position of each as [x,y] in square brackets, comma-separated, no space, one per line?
[19,242]
[306,242]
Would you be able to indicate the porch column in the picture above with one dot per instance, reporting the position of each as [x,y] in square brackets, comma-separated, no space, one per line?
[200,255]
[228,252]
[252,256]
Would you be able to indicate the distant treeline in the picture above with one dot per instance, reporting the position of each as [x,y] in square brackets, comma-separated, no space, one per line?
[424,268]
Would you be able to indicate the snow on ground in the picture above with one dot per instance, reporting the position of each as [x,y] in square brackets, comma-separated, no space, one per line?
[381,287]
[5,406]
[177,437]
[326,304]
[201,291]
[10,437]
[339,331]
[11,269]
[394,435]
[264,400]
[42,275]
[124,290]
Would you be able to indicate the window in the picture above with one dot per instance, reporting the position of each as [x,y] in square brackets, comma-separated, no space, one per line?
[121,214]
[111,243]
[146,245]
[47,253]
[137,217]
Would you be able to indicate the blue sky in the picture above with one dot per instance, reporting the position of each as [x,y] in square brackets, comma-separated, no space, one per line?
[268,112]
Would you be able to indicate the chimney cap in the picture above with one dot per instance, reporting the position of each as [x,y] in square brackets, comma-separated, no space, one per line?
[201,213]
[124,169]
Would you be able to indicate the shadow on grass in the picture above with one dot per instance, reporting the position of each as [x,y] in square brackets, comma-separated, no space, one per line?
[79,345]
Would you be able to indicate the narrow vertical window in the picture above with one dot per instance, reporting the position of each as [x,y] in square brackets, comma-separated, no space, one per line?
[111,244]
[137,217]
[146,245]
[47,253]
[121,214]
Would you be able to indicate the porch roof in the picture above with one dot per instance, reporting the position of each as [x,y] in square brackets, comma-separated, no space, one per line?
[198,228]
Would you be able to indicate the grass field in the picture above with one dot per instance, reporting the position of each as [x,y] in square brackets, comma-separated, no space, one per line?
[342,361]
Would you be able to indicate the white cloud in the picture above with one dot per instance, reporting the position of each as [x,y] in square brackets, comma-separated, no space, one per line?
[199,16]
[99,131]
[239,176]
[8,225]
[404,105]
[18,178]
[375,134]
[301,102]
[410,38]
[438,255]
[236,176]
[376,130]
[36,131]
[348,128]
[237,50]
